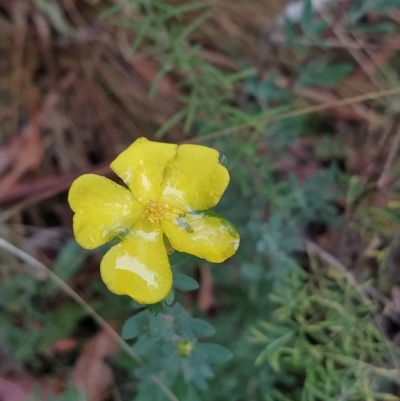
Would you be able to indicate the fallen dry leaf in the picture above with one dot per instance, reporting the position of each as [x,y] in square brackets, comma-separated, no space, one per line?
[91,372]
[50,183]
[12,390]
[26,151]
[22,386]
[63,345]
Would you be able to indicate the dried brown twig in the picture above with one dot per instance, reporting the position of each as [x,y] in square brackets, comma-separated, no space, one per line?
[294,113]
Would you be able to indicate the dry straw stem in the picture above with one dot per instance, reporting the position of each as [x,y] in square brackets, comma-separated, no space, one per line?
[394,149]
[70,292]
[366,63]
[294,113]
[393,43]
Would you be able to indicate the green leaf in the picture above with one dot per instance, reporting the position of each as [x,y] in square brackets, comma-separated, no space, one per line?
[191,111]
[110,11]
[141,32]
[290,36]
[194,25]
[185,283]
[157,80]
[143,345]
[155,309]
[306,15]
[240,75]
[315,30]
[70,260]
[216,353]
[200,328]
[67,317]
[356,187]
[319,72]
[134,325]
[55,15]
[386,6]
[233,230]
[180,388]
[178,11]
[312,29]
[155,326]
[61,323]
[251,271]
[178,116]
[272,350]
[382,6]
[169,300]
[178,257]
[380,27]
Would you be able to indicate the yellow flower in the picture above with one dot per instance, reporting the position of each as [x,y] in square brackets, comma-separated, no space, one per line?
[169,186]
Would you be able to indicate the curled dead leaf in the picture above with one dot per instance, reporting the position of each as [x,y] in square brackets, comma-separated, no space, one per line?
[91,372]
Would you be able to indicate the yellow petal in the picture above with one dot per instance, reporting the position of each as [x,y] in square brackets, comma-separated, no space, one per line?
[195,178]
[103,210]
[209,237]
[141,167]
[138,266]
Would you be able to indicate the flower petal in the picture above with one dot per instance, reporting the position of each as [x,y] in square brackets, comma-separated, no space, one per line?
[195,177]
[103,210]
[141,167]
[206,236]
[138,266]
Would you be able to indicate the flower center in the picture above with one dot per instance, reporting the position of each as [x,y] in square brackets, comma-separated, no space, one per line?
[155,211]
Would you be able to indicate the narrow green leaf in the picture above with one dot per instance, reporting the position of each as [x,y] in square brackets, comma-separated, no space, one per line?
[70,260]
[191,111]
[55,15]
[141,32]
[194,25]
[169,300]
[200,327]
[157,80]
[383,6]
[238,76]
[178,11]
[155,309]
[215,352]
[134,325]
[185,283]
[319,72]
[290,36]
[110,11]
[306,15]
[170,123]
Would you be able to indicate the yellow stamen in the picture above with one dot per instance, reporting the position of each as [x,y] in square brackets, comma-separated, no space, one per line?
[155,211]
